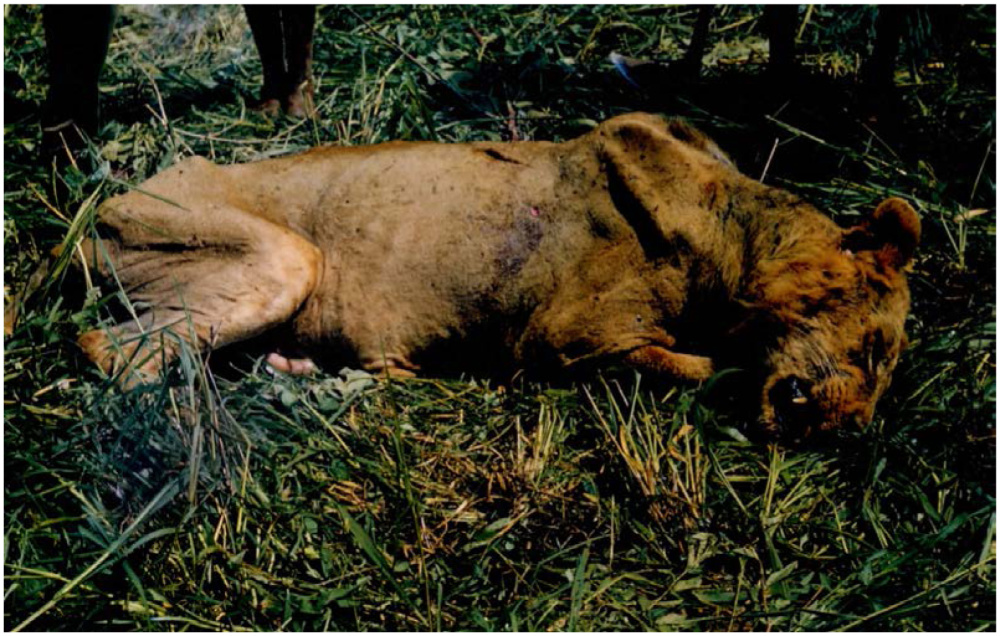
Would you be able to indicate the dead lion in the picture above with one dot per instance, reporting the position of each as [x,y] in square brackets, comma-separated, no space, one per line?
[638,241]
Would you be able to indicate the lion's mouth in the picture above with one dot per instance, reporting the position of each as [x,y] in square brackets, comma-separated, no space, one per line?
[794,409]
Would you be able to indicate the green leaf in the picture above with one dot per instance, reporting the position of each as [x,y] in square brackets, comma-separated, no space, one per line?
[776,577]
[364,541]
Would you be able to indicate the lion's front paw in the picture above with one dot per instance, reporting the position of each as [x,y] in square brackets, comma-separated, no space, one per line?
[678,365]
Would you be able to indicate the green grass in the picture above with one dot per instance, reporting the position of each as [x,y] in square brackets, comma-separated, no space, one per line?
[243,501]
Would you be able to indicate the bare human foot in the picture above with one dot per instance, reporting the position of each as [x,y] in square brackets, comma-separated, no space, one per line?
[269,106]
[283,35]
[299,103]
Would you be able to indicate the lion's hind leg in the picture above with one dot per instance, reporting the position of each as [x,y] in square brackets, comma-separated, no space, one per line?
[230,285]
[133,352]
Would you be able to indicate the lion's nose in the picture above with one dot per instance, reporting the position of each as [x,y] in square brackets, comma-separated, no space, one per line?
[794,408]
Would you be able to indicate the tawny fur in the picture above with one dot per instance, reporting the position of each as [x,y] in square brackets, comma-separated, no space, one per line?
[638,241]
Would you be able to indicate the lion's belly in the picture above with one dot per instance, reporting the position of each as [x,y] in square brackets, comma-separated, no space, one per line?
[428,249]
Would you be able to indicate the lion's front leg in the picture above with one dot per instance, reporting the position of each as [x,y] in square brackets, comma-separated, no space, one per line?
[658,360]
[396,366]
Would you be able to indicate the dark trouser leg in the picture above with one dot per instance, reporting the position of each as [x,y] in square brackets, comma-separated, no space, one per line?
[780,22]
[878,72]
[691,63]
[77,39]
[879,99]
[284,40]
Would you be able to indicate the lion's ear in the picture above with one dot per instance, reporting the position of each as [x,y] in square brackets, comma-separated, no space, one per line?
[654,178]
[892,232]
[626,146]
[641,130]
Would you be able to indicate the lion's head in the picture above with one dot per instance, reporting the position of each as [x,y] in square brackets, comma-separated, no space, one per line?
[835,310]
